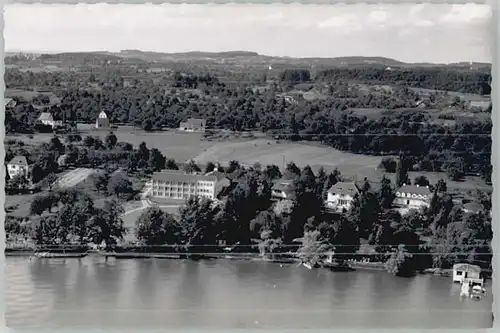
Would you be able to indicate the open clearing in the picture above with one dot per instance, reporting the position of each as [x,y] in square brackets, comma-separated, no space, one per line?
[269,152]
[22,202]
[29,94]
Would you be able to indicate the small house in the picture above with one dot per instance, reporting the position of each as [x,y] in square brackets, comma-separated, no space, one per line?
[193,125]
[9,103]
[102,120]
[467,272]
[473,207]
[18,166]
[341,196]
[282,189]
[479,104]
[48,119]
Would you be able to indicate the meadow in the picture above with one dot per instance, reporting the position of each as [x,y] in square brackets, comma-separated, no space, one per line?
[183,147]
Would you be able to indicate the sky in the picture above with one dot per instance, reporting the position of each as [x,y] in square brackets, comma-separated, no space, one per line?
[439,33]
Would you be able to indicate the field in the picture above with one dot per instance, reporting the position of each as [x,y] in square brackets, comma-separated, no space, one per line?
[21,202]
[269,152]
[185,146]
[29,94]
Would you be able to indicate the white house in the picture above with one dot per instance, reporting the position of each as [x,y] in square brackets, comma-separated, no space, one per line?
[480,104]
[48,119]
[472,207]
[18,166]
[193,125]
[102,120]
[282,189]
[341,196]
[464,272]
[9,103]
[176,185]
[413,197]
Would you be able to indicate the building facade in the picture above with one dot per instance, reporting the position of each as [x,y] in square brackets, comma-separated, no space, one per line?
[480,104]
[282,189]
[48,119]
[465,271]
[9,103]
[340,196]
[193,125]
[413,197]
[181,186]
[102,120]
[18,166]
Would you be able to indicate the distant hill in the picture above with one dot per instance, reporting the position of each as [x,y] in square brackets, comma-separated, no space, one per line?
[248,58]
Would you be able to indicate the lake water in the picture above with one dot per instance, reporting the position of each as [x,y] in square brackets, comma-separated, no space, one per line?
[91,293]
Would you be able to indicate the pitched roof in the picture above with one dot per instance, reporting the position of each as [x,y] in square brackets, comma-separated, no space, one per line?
[19,160]
[415,189]
[196,122]
[173,176]
[467,267]
[7,101]
[473,206]
[45,116]
[344,188]
[283,185]
[219,175]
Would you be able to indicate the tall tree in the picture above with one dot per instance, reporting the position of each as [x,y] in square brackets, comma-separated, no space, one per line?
[401,172]
[107,225]
[196,221]
[155,227]
[385,194]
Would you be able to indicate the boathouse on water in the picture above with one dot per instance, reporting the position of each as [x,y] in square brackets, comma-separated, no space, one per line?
[462,272]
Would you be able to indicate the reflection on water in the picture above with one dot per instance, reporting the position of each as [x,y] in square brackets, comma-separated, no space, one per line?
[92,292]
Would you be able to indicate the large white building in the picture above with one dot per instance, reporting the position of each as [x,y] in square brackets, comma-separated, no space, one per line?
[18,166]
[340,196]
[178,185]
[413,197]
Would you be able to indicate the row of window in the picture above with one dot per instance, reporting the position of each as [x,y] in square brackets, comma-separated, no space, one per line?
[171,195]
[409,195]
[192,190]
[183,184]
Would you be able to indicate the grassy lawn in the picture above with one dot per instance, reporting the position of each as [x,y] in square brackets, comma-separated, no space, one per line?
[185,146]
[172,144]
[29,94]
[269,152]
[22,201]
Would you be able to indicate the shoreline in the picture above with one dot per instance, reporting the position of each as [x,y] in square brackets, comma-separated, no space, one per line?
[351,265]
